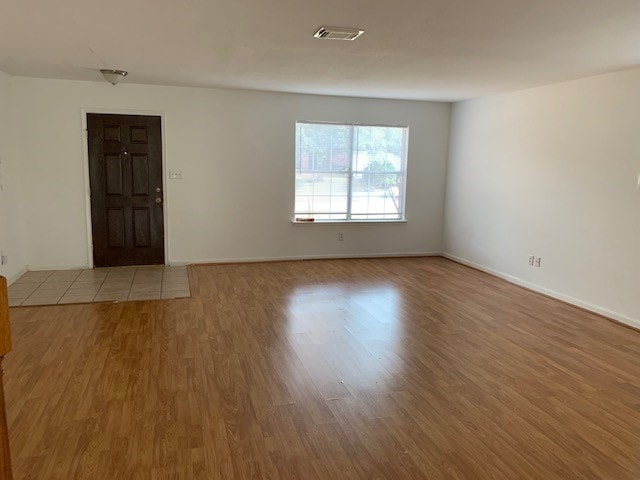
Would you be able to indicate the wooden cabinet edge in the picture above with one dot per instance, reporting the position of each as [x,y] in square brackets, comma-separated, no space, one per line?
[5,347]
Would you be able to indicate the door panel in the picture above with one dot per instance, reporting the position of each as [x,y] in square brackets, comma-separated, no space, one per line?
[140,174]
[141,227]
[125,171]
[113,174]
[115,227]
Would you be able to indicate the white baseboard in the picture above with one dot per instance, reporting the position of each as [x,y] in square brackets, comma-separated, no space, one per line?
[303,257]
[178,263]
[38,268]
[619,317]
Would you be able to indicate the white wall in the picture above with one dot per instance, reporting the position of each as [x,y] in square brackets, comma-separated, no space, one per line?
[236,150]
[552,171]
[11,239]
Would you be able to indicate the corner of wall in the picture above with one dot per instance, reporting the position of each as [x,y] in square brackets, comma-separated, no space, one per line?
[11,218]
[447,178]
[551,171]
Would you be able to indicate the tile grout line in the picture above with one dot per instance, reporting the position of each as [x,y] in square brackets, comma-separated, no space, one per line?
[128,291]
[65,292]
[100,287]
[160,286]
[36,289]
[133,279]
[76,281]
[23,299]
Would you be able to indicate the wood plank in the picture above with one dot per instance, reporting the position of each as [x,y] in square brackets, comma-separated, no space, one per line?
[402,368]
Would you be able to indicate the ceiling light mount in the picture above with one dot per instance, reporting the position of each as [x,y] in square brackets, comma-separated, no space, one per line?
[338,33]
[114,76]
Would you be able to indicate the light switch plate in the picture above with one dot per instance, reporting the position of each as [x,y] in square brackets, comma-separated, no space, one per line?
[175,174]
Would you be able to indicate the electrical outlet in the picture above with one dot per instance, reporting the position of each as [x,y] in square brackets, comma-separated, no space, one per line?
[175,174]
[531,260]
[3,259]
[538,261]
[341,236]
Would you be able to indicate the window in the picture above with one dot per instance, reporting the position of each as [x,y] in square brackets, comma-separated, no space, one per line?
[350,172]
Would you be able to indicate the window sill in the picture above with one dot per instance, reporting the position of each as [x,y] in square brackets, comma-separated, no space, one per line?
[349,222]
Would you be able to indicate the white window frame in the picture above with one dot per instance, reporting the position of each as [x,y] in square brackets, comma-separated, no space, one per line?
[405,155]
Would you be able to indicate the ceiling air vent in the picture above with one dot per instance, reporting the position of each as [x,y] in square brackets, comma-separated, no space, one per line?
[338,33]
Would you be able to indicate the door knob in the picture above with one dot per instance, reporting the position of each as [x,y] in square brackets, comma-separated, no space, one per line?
[158,200]
[158,189]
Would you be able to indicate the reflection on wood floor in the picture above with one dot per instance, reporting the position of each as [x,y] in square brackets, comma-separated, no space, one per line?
[415,368]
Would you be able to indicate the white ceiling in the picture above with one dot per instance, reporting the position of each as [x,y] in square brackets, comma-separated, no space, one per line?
[413,49]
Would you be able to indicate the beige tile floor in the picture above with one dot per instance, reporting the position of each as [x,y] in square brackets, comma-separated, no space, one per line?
[99,285]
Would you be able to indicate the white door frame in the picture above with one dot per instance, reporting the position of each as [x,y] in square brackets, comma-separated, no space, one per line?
[87,183]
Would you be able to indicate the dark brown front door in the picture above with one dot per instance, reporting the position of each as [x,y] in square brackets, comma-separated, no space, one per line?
[125,171]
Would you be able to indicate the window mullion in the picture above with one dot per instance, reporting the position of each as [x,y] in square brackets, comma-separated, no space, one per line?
[350,177]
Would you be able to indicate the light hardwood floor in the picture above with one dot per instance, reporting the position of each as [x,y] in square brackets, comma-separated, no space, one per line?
[414,368]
